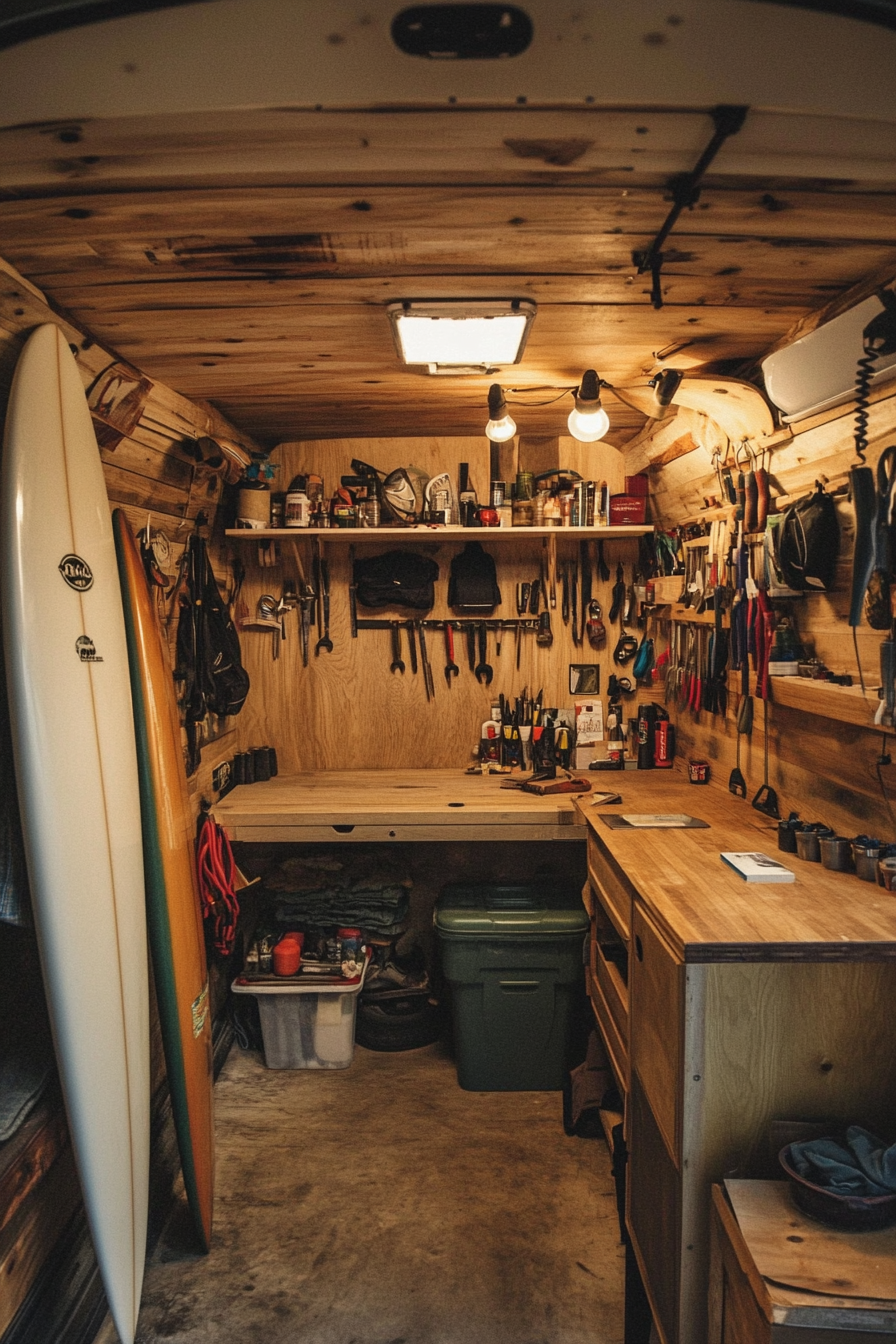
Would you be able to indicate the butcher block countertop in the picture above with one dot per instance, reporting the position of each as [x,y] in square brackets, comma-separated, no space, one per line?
[383,805]
[704,910]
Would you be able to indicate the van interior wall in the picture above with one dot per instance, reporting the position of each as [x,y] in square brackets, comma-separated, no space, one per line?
[823,747]
[147,475]
[346,710]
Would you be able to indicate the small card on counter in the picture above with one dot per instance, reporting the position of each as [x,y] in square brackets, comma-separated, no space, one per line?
[758,867]
[652,821]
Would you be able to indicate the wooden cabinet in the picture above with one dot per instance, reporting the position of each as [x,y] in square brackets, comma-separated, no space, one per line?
[656,1046]
[761,1295]
[740,1006]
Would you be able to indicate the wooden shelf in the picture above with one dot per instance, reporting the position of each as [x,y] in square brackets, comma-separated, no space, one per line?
[424,533]
[845,704]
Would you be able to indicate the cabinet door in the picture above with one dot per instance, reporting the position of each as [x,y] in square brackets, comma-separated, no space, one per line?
[656,1026]
[654,1214]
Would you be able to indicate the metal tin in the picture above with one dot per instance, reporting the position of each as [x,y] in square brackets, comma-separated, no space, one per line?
[886,873]
[865,853]
[498,491]
[836,853]
[807,846]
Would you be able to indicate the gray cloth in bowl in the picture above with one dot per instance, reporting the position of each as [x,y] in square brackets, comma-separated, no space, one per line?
[863,1166]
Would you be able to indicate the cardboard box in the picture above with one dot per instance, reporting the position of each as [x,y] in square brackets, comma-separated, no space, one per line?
[628,509]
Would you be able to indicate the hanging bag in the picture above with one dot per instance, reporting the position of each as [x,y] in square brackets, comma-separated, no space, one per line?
[472,585]
[208,662]
[807,542]
[396,579]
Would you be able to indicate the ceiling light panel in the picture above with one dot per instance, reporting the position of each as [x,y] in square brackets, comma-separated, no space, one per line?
[454,333]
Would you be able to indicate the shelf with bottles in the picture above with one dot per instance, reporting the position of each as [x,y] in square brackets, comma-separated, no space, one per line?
[433,532]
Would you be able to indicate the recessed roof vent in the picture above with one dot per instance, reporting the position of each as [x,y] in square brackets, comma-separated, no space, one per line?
[462,32]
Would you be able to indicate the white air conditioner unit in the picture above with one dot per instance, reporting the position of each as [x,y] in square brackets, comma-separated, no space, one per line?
[819,370]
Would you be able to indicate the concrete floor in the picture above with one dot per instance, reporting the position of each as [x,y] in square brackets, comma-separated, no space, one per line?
[383,1205]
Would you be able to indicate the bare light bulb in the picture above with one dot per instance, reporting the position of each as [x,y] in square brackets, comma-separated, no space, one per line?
[588,421]
[501,425]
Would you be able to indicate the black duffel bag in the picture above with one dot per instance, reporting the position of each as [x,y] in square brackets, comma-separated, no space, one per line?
[808,542]
[396,579]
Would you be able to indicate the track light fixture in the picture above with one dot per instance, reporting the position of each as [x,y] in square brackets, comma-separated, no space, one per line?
[501,426]
[665,384]
[588,421]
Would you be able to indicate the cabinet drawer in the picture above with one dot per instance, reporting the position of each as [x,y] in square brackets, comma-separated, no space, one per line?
[611,984]
[616,1044]
[656,1010]
[610,885]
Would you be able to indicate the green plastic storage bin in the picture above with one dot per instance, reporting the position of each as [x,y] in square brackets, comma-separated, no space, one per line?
[513,958]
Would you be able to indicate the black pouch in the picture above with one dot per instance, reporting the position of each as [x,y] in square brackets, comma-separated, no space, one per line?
[808,542]
[472,586]
[396,579]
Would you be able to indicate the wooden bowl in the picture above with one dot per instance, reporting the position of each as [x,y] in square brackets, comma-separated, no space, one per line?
[851,1213]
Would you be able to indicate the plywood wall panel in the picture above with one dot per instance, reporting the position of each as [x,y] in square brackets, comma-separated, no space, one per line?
[825,769]
[346,708]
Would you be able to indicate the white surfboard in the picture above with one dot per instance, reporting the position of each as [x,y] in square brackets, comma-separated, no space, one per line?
[76,768]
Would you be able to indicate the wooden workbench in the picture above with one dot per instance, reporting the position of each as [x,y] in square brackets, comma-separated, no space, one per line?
[725,1005]
[425,805]
[706,912]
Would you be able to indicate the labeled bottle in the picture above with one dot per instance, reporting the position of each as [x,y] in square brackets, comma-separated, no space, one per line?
[467,500]
[297,505]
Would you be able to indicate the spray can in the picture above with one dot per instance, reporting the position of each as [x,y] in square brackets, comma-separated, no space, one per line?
[647,717]
[663,745]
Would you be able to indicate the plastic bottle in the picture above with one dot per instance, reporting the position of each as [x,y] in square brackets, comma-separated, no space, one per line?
[297,504]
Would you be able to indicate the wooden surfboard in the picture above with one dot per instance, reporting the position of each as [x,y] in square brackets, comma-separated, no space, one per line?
[172,895]
[76,772]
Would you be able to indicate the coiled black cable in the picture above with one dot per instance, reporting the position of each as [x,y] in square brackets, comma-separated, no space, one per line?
[864,375]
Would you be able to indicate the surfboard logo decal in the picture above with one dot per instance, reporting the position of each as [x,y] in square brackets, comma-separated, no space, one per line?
[86,650]
[199,1009]
[76,572]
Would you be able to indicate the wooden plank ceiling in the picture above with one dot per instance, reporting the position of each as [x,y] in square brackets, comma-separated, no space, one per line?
[250,265]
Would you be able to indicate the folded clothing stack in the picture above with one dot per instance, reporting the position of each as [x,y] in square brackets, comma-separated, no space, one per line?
[863,1166]
[365,889]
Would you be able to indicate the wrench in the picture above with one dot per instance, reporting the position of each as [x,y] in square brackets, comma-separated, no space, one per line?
[396,665]
[325,642]
[483,670]
[451,667]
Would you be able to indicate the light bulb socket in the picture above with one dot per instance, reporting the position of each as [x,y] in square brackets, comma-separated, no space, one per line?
[497,406]
[665,384]
[588,394]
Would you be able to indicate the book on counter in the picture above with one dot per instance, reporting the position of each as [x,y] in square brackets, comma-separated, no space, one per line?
[758,867]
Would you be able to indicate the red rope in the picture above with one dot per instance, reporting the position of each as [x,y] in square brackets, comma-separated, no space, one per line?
[216,868]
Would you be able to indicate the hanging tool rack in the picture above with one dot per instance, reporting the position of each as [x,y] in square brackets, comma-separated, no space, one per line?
[456,623]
